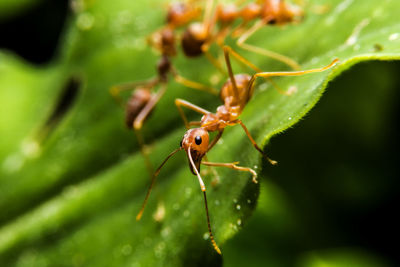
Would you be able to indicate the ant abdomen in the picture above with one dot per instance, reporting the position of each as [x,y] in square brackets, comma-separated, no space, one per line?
[193,39]
[135,104]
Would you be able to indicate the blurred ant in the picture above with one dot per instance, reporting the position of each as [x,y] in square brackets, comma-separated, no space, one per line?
[235,94]
[198,37]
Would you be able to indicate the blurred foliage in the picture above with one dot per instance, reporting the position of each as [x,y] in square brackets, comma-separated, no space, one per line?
[9,8]
[70,189]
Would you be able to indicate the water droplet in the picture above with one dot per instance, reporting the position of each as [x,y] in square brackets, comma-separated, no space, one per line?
[263,87]
[30,148]
[248,201]
[234,200]
[239,222]
[394,36]
[206,236]
[186,213]
[255,167]
[217,202]
[13,163]
[188,191]
[85,21]
[238,207]
[159,249]
[126,250]
[290,118]
[166,231]
[215,79]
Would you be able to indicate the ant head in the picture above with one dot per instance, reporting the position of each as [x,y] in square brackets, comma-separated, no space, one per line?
[193,39]
[195,141]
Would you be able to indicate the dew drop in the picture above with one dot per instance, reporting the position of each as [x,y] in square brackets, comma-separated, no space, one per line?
[239,222]
[234,200]
[206,236]
[85,21]
[188,191]
[394,36]
[238,207]
[248,201]
[126,250]
[166,231]
[217,202]
[186,213]
[159,249]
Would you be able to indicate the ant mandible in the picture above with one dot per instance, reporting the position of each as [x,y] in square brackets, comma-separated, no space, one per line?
[235,94]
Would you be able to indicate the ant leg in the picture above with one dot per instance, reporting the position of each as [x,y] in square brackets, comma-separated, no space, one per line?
[234,166]
[215,140]
[205,47]
[203,189]
[115,90]
[246,35]
[153,180]
[273,162]
[289,73]
[229,50]
[192,84]
[138,124]
[181,102]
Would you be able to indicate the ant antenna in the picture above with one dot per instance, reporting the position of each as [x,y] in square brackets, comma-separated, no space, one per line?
[203,188]
[153,180]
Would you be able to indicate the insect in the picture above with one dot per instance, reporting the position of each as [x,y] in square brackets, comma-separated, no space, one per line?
[144,95]
[235,94]
[198,36]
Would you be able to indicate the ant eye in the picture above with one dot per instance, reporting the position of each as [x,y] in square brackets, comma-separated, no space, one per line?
[197,140]
[180,144]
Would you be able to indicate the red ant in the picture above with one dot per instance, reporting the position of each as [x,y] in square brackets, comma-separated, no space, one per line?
[198,37]
[235,94]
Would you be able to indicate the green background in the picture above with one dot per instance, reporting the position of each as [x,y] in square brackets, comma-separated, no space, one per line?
[70,189]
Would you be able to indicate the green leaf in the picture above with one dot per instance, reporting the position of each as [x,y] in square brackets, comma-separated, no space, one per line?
[74,200]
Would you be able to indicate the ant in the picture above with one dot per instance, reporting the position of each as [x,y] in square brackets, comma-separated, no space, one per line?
[235,94]
[198,37]
[143,99]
